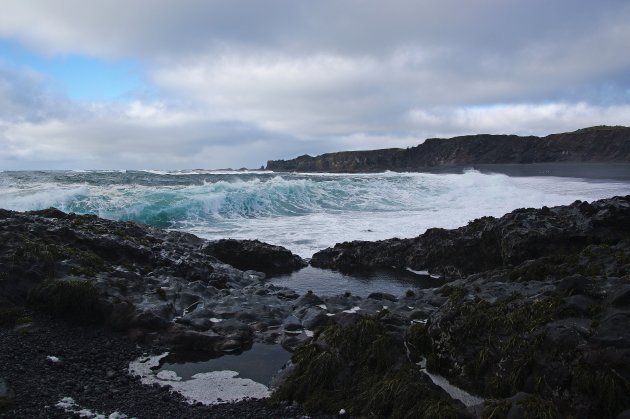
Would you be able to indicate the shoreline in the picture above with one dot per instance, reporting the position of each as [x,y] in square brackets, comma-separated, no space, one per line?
[538,283]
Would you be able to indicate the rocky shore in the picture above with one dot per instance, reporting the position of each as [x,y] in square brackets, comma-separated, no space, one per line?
[534,320]
[537,312]
[594,144]
[44,361]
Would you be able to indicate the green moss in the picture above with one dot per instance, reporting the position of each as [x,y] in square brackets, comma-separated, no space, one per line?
[507,317]
[43,254]
[418,341]
[603,386]
[481,364]
[507,336]
[130,235]
[437,409]
[454,294]
[364,370]
[556,266]
[401,394]
[74,299]
[496,409]
[535,407]
[88,263]
[312,381]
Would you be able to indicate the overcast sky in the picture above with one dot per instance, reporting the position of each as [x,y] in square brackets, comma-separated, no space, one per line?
[177,84]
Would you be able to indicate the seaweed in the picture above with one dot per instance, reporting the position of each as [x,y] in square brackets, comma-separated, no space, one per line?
[507,336]
[535,407]
[454,294]
[608,390]
[363,369]
[496,409]
[77,300]
[44,254]
[88,262]
[418,341]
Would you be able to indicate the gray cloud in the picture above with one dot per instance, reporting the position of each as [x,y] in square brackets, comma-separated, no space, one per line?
[149,28]
[243,81]
[28,96]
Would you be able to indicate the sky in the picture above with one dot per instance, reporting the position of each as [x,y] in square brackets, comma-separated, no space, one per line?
[185,84]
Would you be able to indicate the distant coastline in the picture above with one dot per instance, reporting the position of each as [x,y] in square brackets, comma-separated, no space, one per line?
[588,145]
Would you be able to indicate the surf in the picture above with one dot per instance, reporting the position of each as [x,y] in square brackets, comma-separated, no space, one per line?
[303,212]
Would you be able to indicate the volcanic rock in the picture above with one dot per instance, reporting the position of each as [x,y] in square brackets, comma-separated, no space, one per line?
[254,255]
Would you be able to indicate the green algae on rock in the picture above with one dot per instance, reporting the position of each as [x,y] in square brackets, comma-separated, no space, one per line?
[362,368]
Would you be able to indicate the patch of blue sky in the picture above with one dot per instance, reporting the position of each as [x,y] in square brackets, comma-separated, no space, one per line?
[81,77]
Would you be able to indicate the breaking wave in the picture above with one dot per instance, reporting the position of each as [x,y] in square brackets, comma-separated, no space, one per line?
[304,212]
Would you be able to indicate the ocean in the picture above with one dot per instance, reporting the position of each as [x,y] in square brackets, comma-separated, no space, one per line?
[303,212]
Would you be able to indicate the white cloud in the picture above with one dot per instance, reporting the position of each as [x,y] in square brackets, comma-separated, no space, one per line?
[534,119]
[239,82]
[311,95]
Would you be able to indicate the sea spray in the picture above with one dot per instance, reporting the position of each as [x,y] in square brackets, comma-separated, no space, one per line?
[304,212]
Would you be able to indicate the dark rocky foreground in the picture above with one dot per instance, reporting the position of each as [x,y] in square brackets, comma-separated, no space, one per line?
[595,144]
[92,369]
[535,318]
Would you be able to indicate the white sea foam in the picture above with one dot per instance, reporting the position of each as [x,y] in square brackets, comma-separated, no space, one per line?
[303,212]
[69,405]
[207,388]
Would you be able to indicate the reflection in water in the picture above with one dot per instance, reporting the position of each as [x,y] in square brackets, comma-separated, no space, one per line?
[259,364]
[327,282]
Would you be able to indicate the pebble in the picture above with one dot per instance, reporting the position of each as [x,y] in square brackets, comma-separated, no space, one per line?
[38,390]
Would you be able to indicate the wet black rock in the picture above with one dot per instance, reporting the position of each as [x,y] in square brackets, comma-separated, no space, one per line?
[490,243]
[94,372]
[254,255]
[147,282]
[535,316]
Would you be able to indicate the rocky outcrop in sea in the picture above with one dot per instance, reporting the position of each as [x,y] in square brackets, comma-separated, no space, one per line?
[489,243]
[595,144]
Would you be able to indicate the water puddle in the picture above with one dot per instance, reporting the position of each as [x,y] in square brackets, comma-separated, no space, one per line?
[260,363]
[201,378]
[362,284]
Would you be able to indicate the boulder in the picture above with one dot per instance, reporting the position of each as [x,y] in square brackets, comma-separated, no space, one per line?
[254,255]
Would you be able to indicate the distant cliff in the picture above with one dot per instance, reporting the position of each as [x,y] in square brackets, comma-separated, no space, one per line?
[595,144]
